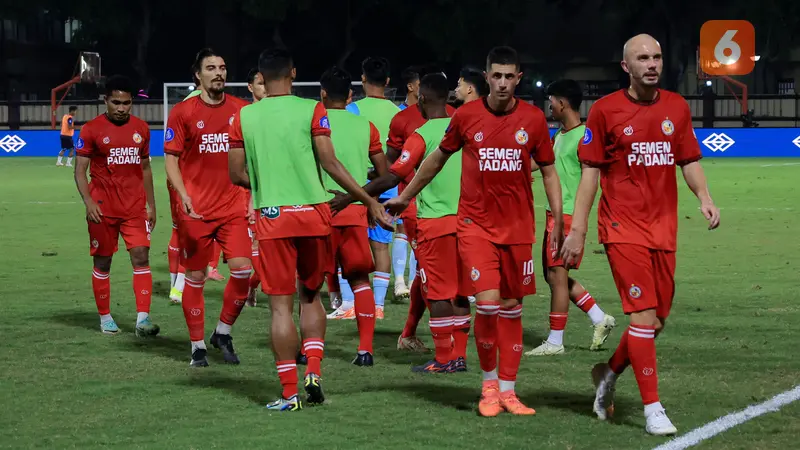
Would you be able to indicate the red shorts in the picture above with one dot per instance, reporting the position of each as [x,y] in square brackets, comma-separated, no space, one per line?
[508,268]
[175,206]
[411,231]
[443,274]
[645,278]
[197,239]
[351,251]
[282,262]
[104,236]
[550,259]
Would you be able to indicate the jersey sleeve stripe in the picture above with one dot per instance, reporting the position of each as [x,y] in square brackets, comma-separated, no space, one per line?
[447,150]
[689,160]
[236,144]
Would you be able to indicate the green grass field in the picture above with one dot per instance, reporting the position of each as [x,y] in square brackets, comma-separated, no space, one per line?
[731,341]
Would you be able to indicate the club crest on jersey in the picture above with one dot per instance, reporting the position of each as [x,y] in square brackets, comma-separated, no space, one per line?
[587,136]
[106,140]
[271,212]
[405,156]
[169,135]
[324,123]
[137,138]
[635,291]
[628,131]
[479,136]
[667,127]
[230,121]
[475,274]
[521,136]
[95,244]
[201,124]
[79,144]
[527,281]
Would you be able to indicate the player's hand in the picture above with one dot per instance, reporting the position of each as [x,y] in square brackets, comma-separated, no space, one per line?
[572,248]
[251,216]
[93,212]
[396,205]
[711,213]
[189,209]
[339,201]
[151,219]
[556,239]
[376,214]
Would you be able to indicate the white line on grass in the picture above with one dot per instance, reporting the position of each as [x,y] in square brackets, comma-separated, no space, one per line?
[724,423]
[780,165]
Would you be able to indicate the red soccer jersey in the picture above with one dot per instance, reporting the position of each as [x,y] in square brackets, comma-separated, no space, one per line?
[636,146]
[198,133]
[116,153]
[496,197]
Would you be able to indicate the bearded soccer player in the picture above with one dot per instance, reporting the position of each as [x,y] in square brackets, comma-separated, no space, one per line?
[358,144]
[565,100]
[120,200]
[281,166]
[212,208]
[499,135]
[634,139]
[379,110]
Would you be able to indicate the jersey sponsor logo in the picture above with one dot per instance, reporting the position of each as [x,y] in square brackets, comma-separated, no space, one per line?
[587,136]
[297,208]
[137,138]
[521,136]
[79,144]
[500,159]
[123,155]
[635,291]
[214,143]
[324,123]
[169,135]
[479,136]
[201,124]
[95,244]
[526,281]
[404,157]
[106,140]
[651,154]
[271,212]
[628,131]
[667,127]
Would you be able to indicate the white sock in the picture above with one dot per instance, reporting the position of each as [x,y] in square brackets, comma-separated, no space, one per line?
[556,337]
[172,277]
[610,376]
[60,159]
[596,314]
[652,408]
[399,256]
[69,160]
[488,376]
[106,318]
[141,316]
[180,281]
[347,304]
[506,386]
[223,328]
[198,345]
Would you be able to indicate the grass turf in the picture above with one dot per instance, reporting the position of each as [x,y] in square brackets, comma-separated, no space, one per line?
[731,341]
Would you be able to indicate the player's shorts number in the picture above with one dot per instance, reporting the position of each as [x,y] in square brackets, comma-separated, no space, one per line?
[726,42]
[527,268]
[422,276]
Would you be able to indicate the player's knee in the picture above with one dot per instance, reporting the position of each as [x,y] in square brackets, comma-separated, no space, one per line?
[198,276]
[461,302]
[102,263]
[238,263]
[140,257]
[660,324]
[509,303]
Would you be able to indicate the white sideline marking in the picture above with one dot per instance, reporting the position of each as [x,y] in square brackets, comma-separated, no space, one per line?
[780,165]
[716,427]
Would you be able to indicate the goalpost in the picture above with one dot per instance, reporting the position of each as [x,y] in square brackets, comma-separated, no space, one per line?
[174,93]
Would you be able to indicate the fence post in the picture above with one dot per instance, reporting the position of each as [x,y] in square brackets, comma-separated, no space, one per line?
[708,108]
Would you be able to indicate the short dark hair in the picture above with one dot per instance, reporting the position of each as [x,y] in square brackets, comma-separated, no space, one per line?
[275,63]
[409,75]
[198,60]
[119,83]
[568,89]
[73,108]
[502,55]
[376,70]
[251,76]
[336,82]
[474,76]
[434,87]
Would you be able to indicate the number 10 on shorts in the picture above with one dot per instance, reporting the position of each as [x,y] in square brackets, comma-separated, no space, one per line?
[727,47]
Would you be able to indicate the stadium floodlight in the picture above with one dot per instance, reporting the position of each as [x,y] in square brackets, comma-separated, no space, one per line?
[538,83]
[190,87]
[755,58]
[708,83]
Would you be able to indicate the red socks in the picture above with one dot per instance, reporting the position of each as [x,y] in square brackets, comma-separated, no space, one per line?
[486,334]
[174,255]
[235,294]
[642,353]
[101,286]
[313,349]
[365,316]
[461,325]
[509,342]
[194,309]
[585,302]
[558,321]
[619,360]
[142,288]
[442,332]
[416,309]
[287,372]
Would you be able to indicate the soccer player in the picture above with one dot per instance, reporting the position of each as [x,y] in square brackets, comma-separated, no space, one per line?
[255,84]
[499,135]
[282,170]
[358,144]
[634,139]
[410,78]
[441,271]
[213,209]
[471,85]
[565,100]
[120,200]
[67,132]
[379,110]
